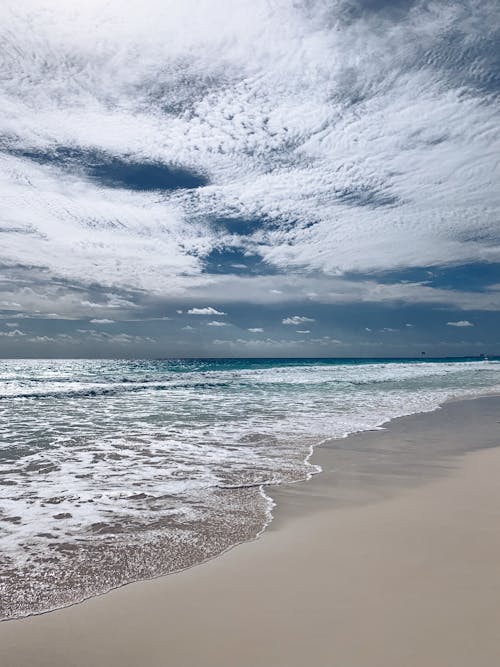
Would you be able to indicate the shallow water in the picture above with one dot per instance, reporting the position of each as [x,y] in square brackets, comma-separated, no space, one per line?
[113,471]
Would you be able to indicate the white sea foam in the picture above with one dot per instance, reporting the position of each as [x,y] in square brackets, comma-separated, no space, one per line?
[134,456]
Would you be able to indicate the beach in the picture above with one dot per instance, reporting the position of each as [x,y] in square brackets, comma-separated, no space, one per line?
[381,560]
[249,333]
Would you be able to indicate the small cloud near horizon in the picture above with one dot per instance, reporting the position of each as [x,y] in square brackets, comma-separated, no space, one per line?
[12,334]
[207,310]
[297,319]
[460,323]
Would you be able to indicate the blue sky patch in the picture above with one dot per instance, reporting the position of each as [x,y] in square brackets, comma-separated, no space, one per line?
[117,172]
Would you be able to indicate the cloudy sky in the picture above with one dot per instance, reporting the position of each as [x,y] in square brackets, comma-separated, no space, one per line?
[249,178]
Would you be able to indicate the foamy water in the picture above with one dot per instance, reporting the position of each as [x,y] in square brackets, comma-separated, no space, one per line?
[114,471]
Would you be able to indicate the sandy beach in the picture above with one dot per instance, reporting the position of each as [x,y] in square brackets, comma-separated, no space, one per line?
[390,557]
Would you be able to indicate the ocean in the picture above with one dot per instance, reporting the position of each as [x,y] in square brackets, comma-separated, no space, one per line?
[114,471]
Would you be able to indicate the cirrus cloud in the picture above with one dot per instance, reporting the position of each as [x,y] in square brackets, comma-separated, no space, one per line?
[253,152]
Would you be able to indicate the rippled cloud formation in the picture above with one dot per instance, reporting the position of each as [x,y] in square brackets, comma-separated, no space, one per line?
[213,152]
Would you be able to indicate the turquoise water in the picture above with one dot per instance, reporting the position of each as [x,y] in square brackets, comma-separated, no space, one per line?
[114,471]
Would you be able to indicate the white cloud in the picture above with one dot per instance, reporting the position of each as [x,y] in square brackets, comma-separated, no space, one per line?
[303,331]
[10,304]
[297,319]
[104,337]
[364,133]
[39,301]
[256,330]
[11,324]
[188,328]
[326,340]
[216,323]
[102,321]
[270,344]
[15,333]
[339,290]
[42,339]
[460,323]
[208,310]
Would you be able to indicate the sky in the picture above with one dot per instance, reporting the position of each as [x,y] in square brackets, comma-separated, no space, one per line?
[253,178]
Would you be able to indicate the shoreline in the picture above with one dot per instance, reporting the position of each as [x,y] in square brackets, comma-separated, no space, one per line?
[357,481]
[361,473]
[319,455]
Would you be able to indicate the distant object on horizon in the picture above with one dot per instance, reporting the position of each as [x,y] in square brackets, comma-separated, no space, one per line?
[423,354]
[483,356]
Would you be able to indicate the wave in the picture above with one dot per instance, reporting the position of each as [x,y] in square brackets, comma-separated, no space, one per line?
[171,468]
[113,390]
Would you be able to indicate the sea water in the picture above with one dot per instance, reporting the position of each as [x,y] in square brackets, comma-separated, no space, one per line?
[113,471]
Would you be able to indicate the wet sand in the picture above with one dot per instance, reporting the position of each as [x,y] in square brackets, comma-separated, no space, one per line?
[390,557]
